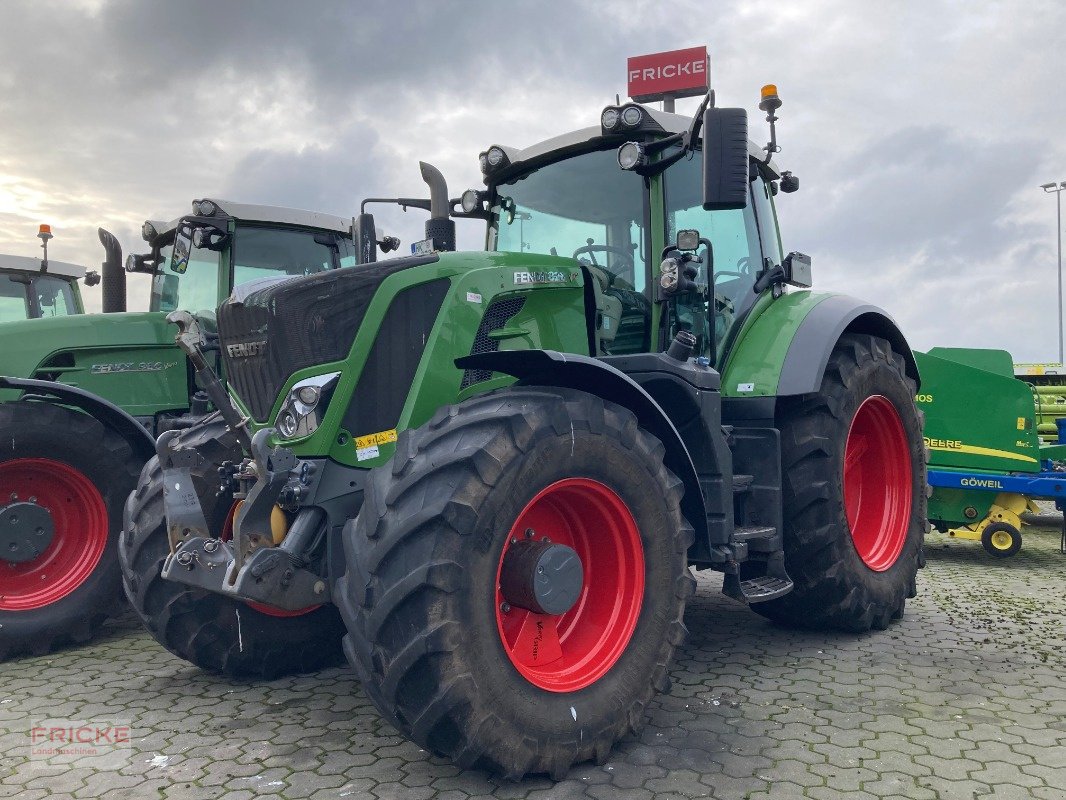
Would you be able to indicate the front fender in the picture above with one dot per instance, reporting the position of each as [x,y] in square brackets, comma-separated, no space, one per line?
[550,368]
[785,349]
[106,412]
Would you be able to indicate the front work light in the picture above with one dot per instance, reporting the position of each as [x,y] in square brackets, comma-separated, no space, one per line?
[631,155]
[470,201]
[631,116]
[609,118]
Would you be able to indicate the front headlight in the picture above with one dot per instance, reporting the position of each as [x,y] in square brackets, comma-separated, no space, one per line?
[306,405]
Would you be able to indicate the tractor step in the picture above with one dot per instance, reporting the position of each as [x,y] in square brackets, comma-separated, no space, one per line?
[743,534]
[759,539]
[742,483]
[756,590]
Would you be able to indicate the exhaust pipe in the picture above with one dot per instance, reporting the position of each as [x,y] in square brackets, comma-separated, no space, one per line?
[440,227]
[114,276]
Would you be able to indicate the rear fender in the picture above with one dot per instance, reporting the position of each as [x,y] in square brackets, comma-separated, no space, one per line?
[786,349]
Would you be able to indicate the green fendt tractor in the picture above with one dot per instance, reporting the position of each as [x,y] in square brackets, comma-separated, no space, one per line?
[93,391]
[493,471]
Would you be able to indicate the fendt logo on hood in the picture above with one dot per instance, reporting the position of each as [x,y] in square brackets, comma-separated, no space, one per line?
[246,349]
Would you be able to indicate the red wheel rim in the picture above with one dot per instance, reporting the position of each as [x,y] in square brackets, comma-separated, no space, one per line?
[877,483]
[79,519]
[567,652]
[262,608]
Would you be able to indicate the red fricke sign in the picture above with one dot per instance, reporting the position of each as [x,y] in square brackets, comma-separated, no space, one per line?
[681,73]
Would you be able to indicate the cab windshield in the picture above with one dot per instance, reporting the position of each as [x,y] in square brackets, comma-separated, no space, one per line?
[31,296]
[256,252]
[589,209]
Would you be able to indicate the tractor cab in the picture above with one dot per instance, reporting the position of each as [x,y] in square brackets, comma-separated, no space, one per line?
[29,290]
[196,260]
[616,196]
[32,288]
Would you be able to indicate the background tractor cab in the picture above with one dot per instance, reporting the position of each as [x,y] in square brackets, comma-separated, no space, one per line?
[31,288]
[196,260]
[129,357]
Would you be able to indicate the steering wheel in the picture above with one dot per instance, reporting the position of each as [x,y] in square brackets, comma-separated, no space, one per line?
[592,249]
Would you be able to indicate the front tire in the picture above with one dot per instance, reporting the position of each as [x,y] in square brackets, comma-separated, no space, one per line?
[853,461]
[79,472]
[216,633]
[453,662]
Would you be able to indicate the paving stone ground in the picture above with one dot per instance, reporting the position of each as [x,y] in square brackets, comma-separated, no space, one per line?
[965,698]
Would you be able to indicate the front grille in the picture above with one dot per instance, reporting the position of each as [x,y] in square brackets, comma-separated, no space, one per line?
[496,316]
[268,334]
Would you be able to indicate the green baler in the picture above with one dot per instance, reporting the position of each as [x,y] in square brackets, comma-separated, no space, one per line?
[986,460]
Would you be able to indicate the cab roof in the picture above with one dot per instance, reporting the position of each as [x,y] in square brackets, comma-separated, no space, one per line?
[671,123]
[31,264]
[276,215]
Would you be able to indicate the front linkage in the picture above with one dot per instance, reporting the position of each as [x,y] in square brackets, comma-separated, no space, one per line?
[256,559]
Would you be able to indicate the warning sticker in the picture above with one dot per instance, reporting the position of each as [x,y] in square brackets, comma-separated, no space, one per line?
[374,439]
[363,453]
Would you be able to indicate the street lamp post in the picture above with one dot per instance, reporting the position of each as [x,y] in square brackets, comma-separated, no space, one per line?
[1058,189]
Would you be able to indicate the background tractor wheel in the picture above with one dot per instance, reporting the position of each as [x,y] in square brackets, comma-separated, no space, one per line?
[63,479]
[214,632]
[517,579]
[853,461]
[1001,539]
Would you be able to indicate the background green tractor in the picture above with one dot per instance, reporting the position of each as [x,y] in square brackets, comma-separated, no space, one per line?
[493,471]
[92,391]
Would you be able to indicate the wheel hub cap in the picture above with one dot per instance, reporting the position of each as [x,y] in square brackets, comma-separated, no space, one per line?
[542,577]
[26,530]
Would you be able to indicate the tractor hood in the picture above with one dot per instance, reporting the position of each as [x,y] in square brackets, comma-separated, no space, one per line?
[104,354]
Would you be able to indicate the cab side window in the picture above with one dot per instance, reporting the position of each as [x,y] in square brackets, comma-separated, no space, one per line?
[738,255]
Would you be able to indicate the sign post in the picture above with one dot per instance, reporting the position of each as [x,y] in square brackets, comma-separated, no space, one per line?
[666,76]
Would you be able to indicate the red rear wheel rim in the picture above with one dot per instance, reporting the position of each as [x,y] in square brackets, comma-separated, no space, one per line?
[262,608]
[567,652]
[877,483]
[79,519]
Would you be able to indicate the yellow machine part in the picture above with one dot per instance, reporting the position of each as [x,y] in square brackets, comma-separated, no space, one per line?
[1007,507]
[279,523]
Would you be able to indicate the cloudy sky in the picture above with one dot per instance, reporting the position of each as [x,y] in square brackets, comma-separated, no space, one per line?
[920,131]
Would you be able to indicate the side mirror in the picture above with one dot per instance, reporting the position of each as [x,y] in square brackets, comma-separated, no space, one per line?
[725,159]
[179,259]
[365,238]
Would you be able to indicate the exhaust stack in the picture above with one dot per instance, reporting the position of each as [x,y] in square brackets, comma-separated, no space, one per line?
[114,276]
[440,227]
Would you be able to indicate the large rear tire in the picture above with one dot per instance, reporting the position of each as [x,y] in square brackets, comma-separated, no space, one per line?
[453,662]
[71,470]
[853,461]
[214,632]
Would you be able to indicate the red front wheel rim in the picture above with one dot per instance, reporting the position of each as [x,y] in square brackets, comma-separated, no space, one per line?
[80,525]
[569,651]
[877,483]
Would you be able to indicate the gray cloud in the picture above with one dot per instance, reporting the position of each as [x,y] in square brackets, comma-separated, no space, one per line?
[919,130]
